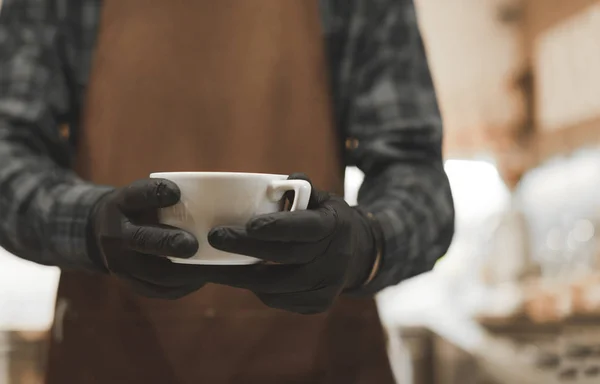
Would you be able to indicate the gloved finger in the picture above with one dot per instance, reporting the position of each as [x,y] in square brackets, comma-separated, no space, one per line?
[305,303]
[261,278]
[147,288]
[298,226]
[237,240]
[317,198]
[156,273]
[155,291]
[159,240]
[148,269]
[147,194]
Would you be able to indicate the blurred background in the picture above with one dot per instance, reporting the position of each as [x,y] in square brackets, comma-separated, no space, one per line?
[517,297]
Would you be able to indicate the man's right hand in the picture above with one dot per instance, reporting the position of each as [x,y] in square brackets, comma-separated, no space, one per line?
[126,237]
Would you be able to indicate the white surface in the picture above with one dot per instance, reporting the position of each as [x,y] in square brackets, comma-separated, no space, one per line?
[227,199]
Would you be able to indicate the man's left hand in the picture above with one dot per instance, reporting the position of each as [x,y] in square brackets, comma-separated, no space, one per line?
[314,255]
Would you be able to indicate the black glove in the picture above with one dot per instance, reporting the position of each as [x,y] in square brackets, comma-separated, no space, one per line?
[320,252]
[126,240]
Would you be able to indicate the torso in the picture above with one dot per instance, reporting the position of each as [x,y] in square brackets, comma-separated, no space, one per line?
[80,43]
[254,100]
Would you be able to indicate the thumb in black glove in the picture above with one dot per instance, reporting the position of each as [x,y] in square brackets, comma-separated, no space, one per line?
[126,240]
[320,252]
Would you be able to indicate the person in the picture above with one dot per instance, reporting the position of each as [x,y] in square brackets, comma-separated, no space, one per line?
[56,212]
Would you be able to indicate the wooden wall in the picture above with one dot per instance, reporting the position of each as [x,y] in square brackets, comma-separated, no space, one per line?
[515,78]
[475,54]
[563,42]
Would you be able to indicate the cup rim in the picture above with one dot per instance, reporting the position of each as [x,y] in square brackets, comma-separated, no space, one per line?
[191,174]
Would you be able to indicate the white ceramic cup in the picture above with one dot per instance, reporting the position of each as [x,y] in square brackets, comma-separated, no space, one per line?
[210,199]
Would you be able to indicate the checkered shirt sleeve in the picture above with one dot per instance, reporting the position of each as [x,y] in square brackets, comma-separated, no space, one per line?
[388,108]
[43,206]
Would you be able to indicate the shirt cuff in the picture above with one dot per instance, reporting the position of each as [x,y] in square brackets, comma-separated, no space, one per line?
[68,225]
[393,245]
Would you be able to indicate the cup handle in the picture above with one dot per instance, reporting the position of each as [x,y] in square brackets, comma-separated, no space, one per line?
[301,188]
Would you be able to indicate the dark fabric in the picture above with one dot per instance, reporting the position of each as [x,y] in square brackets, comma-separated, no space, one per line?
[252,97]
[385,111]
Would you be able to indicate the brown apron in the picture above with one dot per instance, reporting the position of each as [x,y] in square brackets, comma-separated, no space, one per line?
[228,85]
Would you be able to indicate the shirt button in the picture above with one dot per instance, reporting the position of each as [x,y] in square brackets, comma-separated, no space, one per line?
[351,143]
[64,131]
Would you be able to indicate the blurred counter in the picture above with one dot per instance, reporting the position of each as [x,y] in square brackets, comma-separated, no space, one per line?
[27,299]
[27,294]
[22,357]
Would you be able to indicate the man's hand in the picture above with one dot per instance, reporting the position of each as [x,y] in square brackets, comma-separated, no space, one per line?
[126,237]
[319,253]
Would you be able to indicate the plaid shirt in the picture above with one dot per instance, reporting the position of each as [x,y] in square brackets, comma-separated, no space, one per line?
[385,108]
